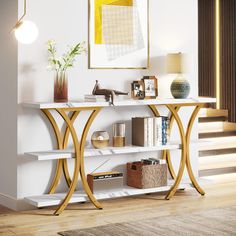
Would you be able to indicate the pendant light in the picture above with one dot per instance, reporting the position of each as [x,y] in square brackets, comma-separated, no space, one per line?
[26,32]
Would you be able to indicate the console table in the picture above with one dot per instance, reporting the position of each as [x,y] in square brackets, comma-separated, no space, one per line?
[79,152]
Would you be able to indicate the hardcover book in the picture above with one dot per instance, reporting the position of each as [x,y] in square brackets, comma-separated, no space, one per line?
[150,142]
[139,131]
[157,130]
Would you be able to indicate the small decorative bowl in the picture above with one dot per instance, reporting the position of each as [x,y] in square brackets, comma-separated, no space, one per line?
[100,139]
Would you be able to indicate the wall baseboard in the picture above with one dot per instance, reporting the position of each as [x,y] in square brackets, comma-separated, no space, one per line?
[14,204]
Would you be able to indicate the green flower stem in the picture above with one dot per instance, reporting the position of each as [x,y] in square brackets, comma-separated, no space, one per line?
[68,58]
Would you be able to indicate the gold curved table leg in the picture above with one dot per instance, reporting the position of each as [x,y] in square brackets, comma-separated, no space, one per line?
[168,156]
[154,110]
[183,152]
[188,136]
[169,164]
[77,162]
[62,144]
[57,132]
[82,171]
[166,153]
[65,143]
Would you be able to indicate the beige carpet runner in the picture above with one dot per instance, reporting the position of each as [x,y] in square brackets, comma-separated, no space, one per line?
[215,222]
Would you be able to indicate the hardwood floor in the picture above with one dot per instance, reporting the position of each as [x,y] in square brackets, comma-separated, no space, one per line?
[221,193]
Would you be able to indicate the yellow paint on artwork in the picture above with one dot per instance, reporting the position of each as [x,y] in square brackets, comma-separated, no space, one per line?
[98,14]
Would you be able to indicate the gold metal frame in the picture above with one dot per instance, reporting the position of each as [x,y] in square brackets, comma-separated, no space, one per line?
[188,163]
[166,153]
[173,110]
[79,146]
[183,151]
[117,68]
[77,162]
[57,132]
[168,156]
[185,140]
[62,142]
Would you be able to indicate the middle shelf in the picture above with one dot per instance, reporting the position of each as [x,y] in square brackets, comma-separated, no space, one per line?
[89,152]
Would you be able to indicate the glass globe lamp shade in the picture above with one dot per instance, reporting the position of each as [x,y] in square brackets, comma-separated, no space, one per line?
[27,32]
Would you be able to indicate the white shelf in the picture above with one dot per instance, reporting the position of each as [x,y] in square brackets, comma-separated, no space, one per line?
[55,199]
[50,155]
[126,102]
[68,154]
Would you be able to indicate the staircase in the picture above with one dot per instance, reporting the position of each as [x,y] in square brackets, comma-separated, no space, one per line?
[219,157]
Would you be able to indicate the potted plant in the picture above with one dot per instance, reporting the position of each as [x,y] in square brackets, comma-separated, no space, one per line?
[60,66]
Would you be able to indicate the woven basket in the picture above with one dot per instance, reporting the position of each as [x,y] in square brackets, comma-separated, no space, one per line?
[140,175]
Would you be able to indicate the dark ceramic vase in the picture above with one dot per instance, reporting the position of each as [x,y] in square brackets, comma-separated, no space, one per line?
[180,88]
[60,87]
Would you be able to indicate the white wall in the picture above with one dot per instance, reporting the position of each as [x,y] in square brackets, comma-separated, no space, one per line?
[173,28]
[8,102]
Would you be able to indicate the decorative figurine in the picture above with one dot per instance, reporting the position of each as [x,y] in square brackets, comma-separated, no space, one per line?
[108,93]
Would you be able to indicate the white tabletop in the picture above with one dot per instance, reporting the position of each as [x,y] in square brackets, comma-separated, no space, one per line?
[127,102]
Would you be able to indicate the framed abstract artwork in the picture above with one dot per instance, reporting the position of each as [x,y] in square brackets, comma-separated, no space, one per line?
[118,34]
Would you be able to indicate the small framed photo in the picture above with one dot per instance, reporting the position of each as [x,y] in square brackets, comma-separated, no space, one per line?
[150,87]
[137,89]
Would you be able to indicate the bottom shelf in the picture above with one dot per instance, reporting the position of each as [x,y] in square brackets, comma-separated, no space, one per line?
[55,199]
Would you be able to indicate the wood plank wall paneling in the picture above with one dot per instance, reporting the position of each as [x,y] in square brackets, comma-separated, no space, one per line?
[228,57]
[206,48]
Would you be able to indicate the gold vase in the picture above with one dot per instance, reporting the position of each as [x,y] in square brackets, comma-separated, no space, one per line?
[100,139]
[119,135]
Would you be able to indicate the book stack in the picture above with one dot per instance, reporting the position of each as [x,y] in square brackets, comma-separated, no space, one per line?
[150,131]
[153,161]
[95,98]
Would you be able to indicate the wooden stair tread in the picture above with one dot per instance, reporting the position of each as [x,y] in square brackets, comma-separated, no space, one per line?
[211,126]
[224,178]
[203,135]
[212,119]
[217,171]
[216,152]
[219,161]
[219,143]
[218,126]
[209,112]
[221,139]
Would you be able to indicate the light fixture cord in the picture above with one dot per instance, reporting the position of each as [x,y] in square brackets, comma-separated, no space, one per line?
[19,21]
[23,13]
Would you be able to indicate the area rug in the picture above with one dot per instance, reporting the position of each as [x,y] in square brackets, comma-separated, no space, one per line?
[215,222]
